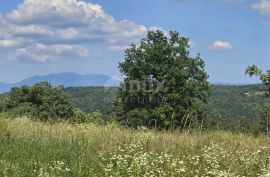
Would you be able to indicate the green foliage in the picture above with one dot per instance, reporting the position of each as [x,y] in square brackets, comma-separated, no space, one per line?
[162,82]
[243,125]
[2,103]
[82,117]
[41,101]
[230,102]
[215,122]
[264,113]
[226,105]
[253,70]
[92,99]
[265,77]
[233,102]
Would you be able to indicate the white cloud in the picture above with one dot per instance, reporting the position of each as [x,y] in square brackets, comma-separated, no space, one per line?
[42,53]
[54,17]
[263,7]
[9,43]
[53,29]
[34,30]
[220,46]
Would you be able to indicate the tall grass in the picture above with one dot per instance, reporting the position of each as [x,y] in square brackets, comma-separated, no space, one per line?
[29,148]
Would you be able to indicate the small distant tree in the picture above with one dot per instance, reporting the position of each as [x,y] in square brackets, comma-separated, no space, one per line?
[163,86]
[42,101]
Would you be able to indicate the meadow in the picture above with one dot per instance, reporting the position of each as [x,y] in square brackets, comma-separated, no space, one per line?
[34,148]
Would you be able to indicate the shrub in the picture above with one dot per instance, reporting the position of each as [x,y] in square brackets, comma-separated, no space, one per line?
[41,101]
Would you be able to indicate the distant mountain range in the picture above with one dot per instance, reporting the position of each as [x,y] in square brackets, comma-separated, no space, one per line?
[73,80]
[66,79]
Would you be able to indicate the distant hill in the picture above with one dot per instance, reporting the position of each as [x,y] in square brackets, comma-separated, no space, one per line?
[66,79]
[91,99]
[232,102]
[89,94]
[229,102]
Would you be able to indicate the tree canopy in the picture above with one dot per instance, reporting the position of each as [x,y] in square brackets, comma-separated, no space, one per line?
[41,100]
[253,70]
[163,86]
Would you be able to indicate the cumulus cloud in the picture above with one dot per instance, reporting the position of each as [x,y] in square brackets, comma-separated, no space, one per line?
[263,7]
[49,30]
[42,53]
[220,46]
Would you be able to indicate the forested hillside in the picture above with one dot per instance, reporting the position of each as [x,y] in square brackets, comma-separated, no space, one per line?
[229,102]
[91,99]
[232,102]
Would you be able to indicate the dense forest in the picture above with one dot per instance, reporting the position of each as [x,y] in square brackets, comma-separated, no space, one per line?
[91,99]
[229,102]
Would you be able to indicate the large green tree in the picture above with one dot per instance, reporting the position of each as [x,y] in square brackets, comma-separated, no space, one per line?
[163,85]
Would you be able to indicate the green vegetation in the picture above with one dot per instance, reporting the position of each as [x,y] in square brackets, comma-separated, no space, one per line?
[44,102]
[42,133]
[265,77]
[92,99]
[233,102]
[41,101]
[226,105]
[33,148]
[264,114]
[163,86]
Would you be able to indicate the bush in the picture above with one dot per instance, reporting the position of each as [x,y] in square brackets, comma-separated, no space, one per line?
[41,101]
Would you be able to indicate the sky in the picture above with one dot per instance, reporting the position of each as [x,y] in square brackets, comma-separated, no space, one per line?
[40,37]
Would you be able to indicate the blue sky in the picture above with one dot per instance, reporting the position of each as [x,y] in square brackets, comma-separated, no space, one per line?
[40,37]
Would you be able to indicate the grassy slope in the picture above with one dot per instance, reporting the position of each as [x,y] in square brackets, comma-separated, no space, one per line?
[30,148]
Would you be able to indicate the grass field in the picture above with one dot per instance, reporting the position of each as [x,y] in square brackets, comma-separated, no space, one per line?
[29,148]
